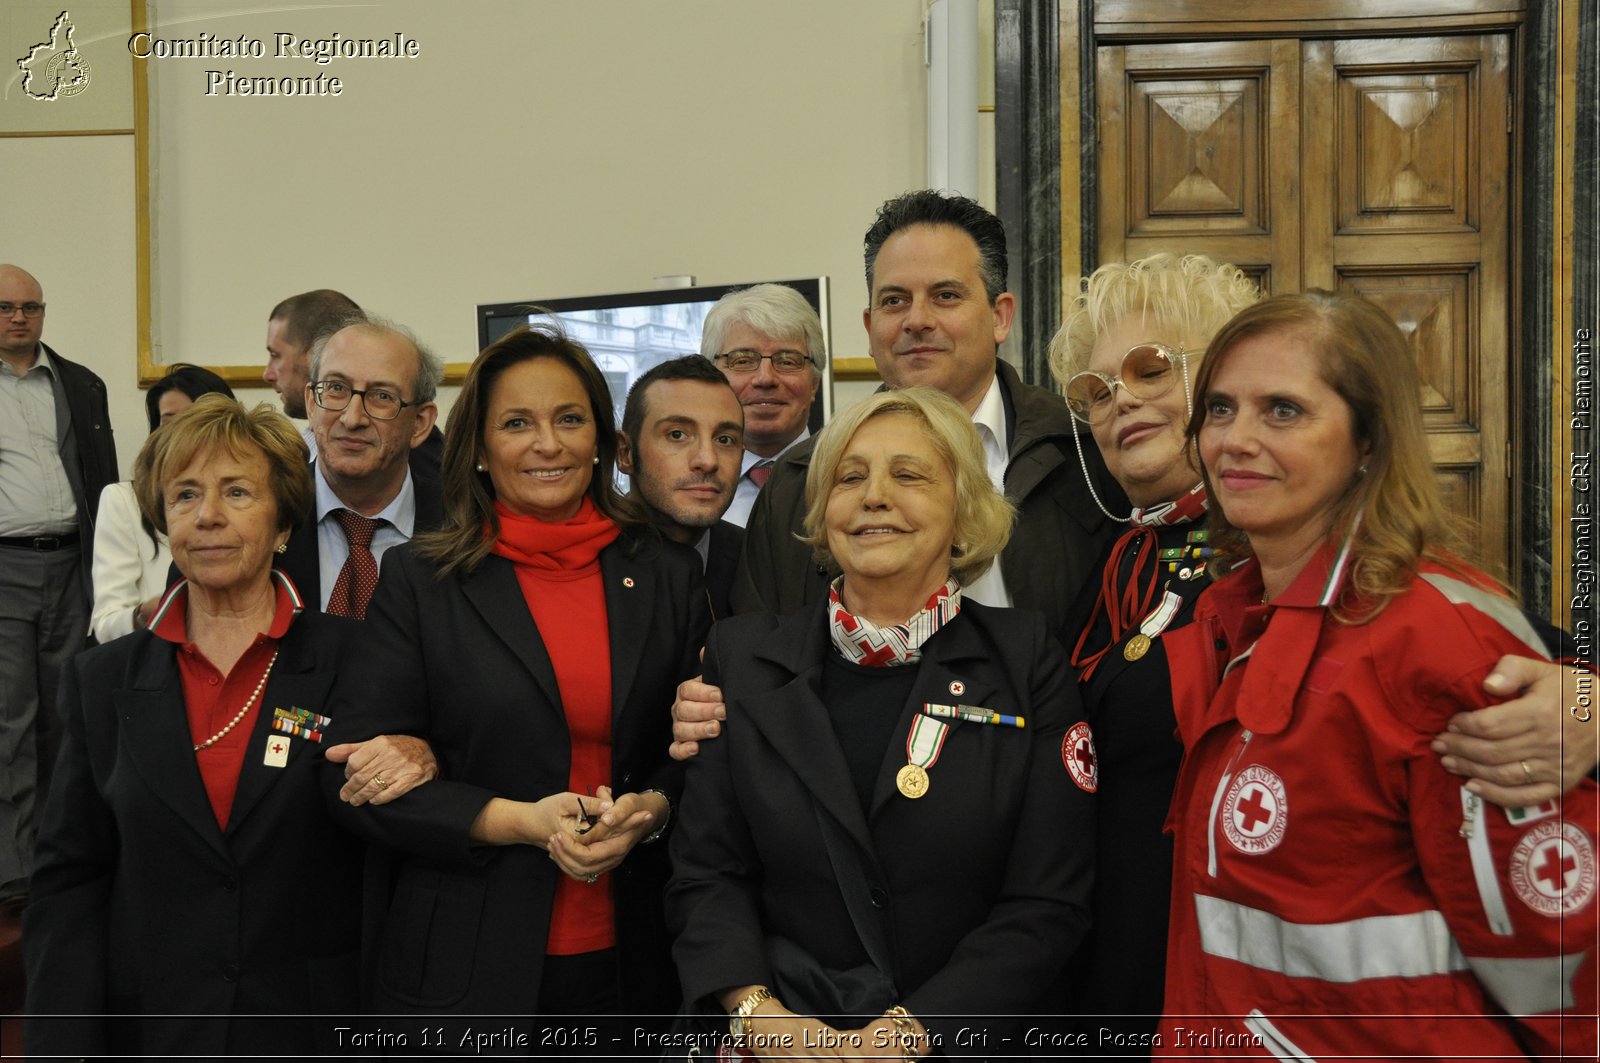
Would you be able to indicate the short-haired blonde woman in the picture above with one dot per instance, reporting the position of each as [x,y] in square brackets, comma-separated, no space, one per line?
[895,827]
[187,881]
[1337,893]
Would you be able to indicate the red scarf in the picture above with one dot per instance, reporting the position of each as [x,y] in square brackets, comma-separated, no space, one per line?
[561,545]
[1125,607]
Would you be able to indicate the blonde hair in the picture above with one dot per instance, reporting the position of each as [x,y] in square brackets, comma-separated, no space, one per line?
[983,517]
[218,423]
[1182,297]
[1363,357]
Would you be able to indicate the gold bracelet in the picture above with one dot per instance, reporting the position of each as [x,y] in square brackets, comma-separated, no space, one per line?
[906,1029]
[739,1017]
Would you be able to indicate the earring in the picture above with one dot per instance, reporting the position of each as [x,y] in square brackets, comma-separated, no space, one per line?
[596,460]
[481,468]
[1363,470]
[283,548]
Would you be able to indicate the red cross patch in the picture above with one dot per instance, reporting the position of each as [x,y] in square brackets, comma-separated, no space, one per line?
[1078,754]
[1255,812]
[1553,868]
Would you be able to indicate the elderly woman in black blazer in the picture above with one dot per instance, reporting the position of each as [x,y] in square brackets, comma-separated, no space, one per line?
[896,827]
[188,882]
[535,642]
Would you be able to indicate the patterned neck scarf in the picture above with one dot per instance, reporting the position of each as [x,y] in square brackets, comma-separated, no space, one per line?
[1125,606]
[860,640]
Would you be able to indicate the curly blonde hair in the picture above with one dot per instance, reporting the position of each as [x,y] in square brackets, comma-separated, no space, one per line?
[1181,296]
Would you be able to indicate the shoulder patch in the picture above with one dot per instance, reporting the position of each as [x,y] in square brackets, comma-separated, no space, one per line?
[1078,754]
[1553,868]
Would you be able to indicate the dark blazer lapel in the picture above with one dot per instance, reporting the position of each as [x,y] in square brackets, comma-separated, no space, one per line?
[630,590]
[956,658]
[793,718]
[293,684]
[155,731]
[495,593]
[300,560]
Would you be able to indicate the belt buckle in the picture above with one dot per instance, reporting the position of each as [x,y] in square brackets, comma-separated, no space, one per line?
[45,543]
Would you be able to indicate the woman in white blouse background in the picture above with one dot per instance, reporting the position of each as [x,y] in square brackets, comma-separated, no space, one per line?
[131,559]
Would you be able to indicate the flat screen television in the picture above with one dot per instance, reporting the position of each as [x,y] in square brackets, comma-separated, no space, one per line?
[628,333]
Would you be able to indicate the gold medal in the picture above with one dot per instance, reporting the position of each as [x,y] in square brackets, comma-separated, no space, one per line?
[1137,647]
[912,780]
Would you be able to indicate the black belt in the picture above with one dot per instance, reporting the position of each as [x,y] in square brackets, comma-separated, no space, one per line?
[41,543]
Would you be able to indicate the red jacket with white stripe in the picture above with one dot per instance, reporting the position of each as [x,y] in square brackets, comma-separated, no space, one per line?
[1336,891]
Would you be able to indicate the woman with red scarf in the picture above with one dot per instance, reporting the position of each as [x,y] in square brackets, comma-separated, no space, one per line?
[534,641]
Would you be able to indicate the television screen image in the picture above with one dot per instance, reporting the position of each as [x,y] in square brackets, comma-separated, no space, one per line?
[629,333]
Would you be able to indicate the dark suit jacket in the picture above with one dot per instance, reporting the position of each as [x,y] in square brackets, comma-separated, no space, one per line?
[300,561]
[458,661]
[1059,536]
[426,456]
[982,884]
[142,904]
[87,449]
[722,562]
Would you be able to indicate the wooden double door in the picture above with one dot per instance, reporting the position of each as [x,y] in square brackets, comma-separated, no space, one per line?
[1375,166]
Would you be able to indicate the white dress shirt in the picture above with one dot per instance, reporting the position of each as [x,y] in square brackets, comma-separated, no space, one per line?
[744,495]
[990,420]
[333,549]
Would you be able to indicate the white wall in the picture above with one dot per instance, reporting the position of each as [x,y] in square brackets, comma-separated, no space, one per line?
[537,148]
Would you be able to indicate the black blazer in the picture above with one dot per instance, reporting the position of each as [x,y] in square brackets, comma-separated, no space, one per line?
[91,443]
[722,562]
[143,905]
[459,662]
[982,884]
[300,560]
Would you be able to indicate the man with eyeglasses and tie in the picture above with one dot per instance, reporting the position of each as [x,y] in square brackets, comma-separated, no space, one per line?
[56,455]
[293,328]
[370,402]
[767,340]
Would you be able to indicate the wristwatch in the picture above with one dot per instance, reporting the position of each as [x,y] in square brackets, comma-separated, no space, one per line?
[739,1017]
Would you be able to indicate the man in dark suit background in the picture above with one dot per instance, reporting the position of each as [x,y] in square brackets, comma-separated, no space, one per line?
[293,328]
[938,311]
[56,454]
[370,399]
[681,444]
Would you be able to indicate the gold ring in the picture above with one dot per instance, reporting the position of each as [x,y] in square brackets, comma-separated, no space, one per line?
[378,779]
[1526,774]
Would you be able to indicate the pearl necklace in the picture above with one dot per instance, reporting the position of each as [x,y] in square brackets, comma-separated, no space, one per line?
[214,739]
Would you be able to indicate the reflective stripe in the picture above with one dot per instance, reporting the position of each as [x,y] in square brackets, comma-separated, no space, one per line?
[1501,610]
[1272,1038]
[1380,946]
[1483,872]
[1529,987]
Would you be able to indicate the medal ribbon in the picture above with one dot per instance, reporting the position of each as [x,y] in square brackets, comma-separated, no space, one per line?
[1157,622]
[925,741]
[1122,606]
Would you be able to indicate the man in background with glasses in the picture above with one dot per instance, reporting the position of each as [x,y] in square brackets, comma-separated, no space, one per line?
[767,340]
[56,454]
[370,402]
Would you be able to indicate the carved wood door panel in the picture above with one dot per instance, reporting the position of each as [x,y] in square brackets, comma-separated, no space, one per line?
[1378,166]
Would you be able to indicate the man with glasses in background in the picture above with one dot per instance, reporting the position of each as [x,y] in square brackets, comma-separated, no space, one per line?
[767,340]
[56,454]
[370,402]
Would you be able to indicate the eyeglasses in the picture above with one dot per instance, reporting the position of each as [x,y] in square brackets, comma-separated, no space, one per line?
[1146,373]
[28,309]
[335,395]
[750,361]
